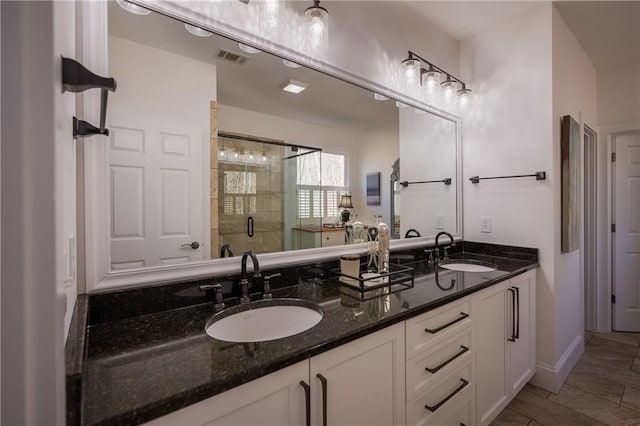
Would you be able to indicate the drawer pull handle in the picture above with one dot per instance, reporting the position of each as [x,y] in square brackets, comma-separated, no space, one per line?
[448,397]
[307,400]
[462,316]
[462,350]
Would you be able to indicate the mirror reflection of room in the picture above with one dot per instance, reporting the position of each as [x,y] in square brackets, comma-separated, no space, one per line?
[211,144]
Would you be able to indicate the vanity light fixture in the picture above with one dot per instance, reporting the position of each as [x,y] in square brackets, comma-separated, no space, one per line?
[294,86]
[290,64]
[248,49]
[133,8]
[316,18]
[463,95]
[379,97]
[449,86]
[430,76]
[411,68]
[197,31]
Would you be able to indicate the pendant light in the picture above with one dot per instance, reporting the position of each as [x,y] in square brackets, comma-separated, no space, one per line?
[133,8]
[411,67]
[317,21]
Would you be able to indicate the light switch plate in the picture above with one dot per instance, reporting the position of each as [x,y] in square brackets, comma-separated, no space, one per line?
[440,221]
[485,224]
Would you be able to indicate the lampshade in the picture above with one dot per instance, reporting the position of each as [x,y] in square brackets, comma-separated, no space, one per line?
[345,202]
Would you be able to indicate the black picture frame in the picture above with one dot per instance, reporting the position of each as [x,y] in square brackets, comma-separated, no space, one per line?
[373,189]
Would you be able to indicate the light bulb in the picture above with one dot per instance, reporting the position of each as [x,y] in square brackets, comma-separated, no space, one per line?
[449,87]
[431,78]
[264,158]
[411,69]
[463,96]
[317,21]
[235,155]
[221,153]
[250,156]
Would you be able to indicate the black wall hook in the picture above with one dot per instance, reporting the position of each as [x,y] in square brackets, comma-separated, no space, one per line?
[82,129]
[76,78]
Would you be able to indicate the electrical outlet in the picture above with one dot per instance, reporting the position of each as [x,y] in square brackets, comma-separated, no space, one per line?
[485,224]
[440,221]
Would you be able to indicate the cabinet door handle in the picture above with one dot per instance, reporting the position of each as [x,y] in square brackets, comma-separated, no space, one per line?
[461,386]
[462,350]
[513,315]
[250,226]
[323,380]
[307,399]
[462,316]
[517,296]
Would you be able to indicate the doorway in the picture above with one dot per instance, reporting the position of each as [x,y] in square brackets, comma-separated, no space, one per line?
[625,237]
[590,230]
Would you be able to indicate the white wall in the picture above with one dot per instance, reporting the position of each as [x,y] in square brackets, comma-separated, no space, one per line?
[508,130]
[35,136]
[427,152]
[377,149]
[574,93]
[619,93]
[529,72]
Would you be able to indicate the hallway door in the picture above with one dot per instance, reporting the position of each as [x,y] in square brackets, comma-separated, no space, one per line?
[626,239]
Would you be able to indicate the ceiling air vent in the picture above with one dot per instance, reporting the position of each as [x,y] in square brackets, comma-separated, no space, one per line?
[227,55]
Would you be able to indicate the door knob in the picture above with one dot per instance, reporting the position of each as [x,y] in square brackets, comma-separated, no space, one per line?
[194,245]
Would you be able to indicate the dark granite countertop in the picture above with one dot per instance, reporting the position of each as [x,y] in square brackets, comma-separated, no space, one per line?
[143,367]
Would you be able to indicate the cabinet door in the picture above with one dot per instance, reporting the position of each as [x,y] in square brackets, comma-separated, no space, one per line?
[364,381]
[522,352]
[491,356]
[276,399]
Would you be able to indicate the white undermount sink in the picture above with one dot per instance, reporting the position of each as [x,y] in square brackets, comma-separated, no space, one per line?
[467,265]
[264,320]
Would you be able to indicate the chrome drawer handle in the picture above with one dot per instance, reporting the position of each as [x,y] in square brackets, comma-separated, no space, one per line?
[433,408]
[462,350]
[462,316]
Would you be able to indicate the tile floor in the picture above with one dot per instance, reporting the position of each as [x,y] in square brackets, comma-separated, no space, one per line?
[603,388]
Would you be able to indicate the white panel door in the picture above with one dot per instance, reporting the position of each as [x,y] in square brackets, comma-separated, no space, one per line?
[626,273]
[156,189]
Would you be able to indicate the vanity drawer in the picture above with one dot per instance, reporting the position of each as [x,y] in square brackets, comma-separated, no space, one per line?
[333,238]
[445,398]
[431,328]
[435,364]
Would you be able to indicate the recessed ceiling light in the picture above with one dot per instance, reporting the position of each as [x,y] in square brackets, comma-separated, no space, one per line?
[133,8]
[294,86]
[197,31]
[379,97]
[248,49]
[400,104]
[291,64]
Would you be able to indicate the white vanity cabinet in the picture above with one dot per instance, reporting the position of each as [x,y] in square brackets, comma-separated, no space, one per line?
[363,384]
[275,399]
[506,357]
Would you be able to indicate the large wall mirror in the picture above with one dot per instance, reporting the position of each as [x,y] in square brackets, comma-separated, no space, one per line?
[209,151]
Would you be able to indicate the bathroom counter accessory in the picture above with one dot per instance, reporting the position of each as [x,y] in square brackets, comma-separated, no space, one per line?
[369,285]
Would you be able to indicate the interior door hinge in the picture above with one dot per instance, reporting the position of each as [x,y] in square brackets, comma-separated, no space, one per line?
[613,227]
[613,298]
[613,157]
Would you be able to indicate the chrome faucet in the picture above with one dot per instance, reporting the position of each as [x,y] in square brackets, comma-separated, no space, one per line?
[437,250]
[226,249]
[244,282]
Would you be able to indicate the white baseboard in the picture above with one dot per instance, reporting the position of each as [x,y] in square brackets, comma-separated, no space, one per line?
[551,378]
